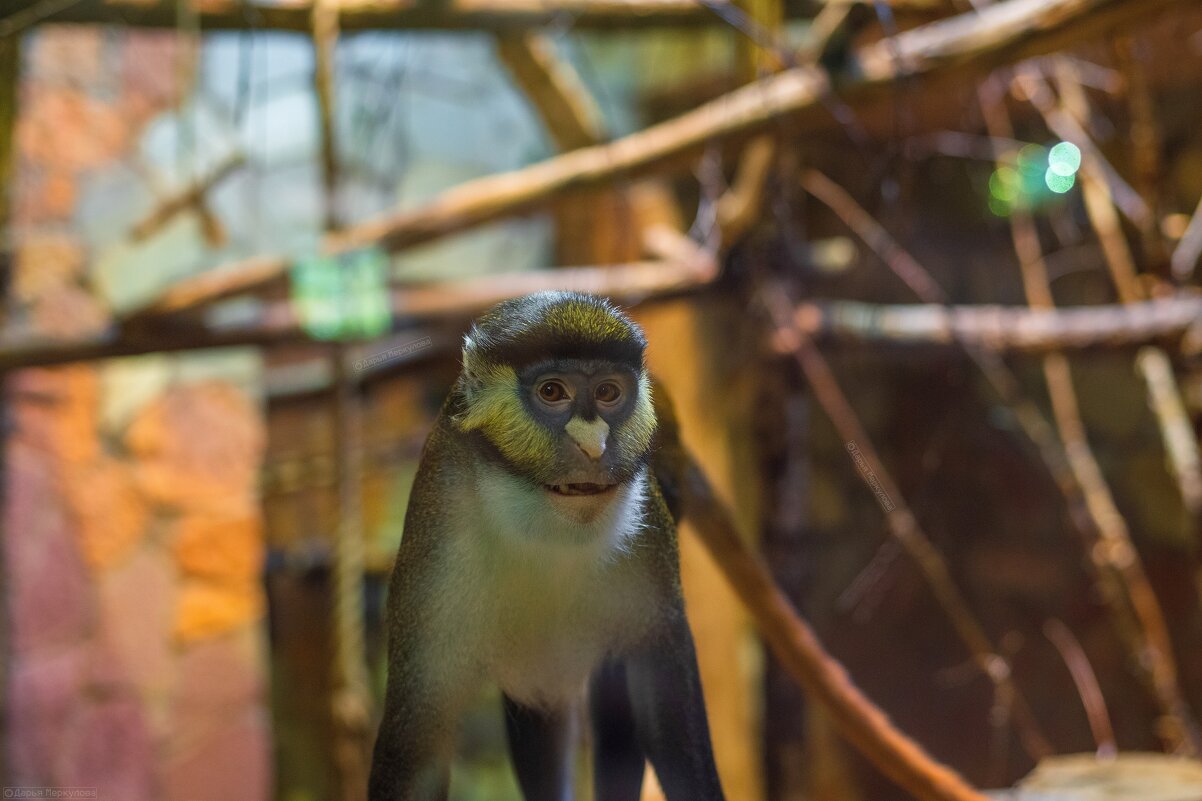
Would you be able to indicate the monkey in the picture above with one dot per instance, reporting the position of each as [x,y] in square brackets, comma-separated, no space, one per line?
[538,553]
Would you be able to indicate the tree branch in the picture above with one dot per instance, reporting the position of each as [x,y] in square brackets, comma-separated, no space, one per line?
[1002,328]
[1006,31]
[492,15]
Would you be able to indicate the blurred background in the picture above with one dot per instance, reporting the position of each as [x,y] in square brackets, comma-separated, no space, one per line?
[920,277]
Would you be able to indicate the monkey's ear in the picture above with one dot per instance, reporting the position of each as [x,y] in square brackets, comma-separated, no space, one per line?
[668,459]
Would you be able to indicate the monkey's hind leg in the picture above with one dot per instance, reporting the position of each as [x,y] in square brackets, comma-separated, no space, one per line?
[618,761]
[541,746]
[669,713]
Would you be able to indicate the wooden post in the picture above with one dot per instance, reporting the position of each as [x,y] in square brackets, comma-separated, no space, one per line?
[10,63]
[783,413]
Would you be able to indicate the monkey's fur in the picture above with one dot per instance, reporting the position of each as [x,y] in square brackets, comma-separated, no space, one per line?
[539,554]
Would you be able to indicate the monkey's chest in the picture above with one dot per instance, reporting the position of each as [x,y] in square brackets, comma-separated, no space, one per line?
[550,635]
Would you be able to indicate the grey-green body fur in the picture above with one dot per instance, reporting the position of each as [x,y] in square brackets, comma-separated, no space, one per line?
[491,584]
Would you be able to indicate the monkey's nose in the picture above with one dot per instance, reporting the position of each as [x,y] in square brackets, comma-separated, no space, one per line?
[589,436]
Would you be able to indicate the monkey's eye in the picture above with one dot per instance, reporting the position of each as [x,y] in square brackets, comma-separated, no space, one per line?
[607,392]
[552,392]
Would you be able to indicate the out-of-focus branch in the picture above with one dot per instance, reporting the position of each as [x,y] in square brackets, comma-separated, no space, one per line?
[739,206]
[325,39]
[355,15]
[1146,145]
[1176,428]
[1119,568]
[1087,685]
[904,527]
[1123,583]
[1069,127]
[1163,393]
[277,323]
[1006,31]
[905,266]
[793,641]
[1189,247]
[561,100]
[1002,328]
[192,197]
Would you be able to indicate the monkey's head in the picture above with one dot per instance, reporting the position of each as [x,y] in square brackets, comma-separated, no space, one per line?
[555,384]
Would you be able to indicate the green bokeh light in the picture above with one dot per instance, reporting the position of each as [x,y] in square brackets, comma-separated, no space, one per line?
[343,297]
[1064,159]
[1059,183]
[1000,207]
[1004,184]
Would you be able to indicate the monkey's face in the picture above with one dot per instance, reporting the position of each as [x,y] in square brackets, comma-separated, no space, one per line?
[586,405]
[554,383]
[577,428]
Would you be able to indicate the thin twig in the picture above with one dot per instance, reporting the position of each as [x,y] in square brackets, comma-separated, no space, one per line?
[1146,146]
[1087,685]
[1122,580]
[1189,247]
[190,198]
[904,526]
[1165,397]
[791,638]
[1176,428]
[1119,567]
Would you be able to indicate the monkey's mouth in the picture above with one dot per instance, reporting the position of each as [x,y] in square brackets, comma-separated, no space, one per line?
[583,488]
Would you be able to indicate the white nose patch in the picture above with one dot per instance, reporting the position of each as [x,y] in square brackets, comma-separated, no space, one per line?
[590,436]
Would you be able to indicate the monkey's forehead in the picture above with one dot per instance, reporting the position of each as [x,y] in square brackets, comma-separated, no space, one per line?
[555,326]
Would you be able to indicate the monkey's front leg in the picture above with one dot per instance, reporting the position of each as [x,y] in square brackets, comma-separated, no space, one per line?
[541,744]
[430,678]
[413,749]
[669,712]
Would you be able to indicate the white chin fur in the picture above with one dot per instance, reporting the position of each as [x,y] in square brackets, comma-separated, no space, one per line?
[518,510]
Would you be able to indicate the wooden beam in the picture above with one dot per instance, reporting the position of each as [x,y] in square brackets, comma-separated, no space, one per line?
[361,15]
[278,324]
[565,106]
[981,39]
[1003,328]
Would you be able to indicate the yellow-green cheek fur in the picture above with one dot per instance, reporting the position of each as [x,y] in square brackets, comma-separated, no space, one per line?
[496,409]
[634,435]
